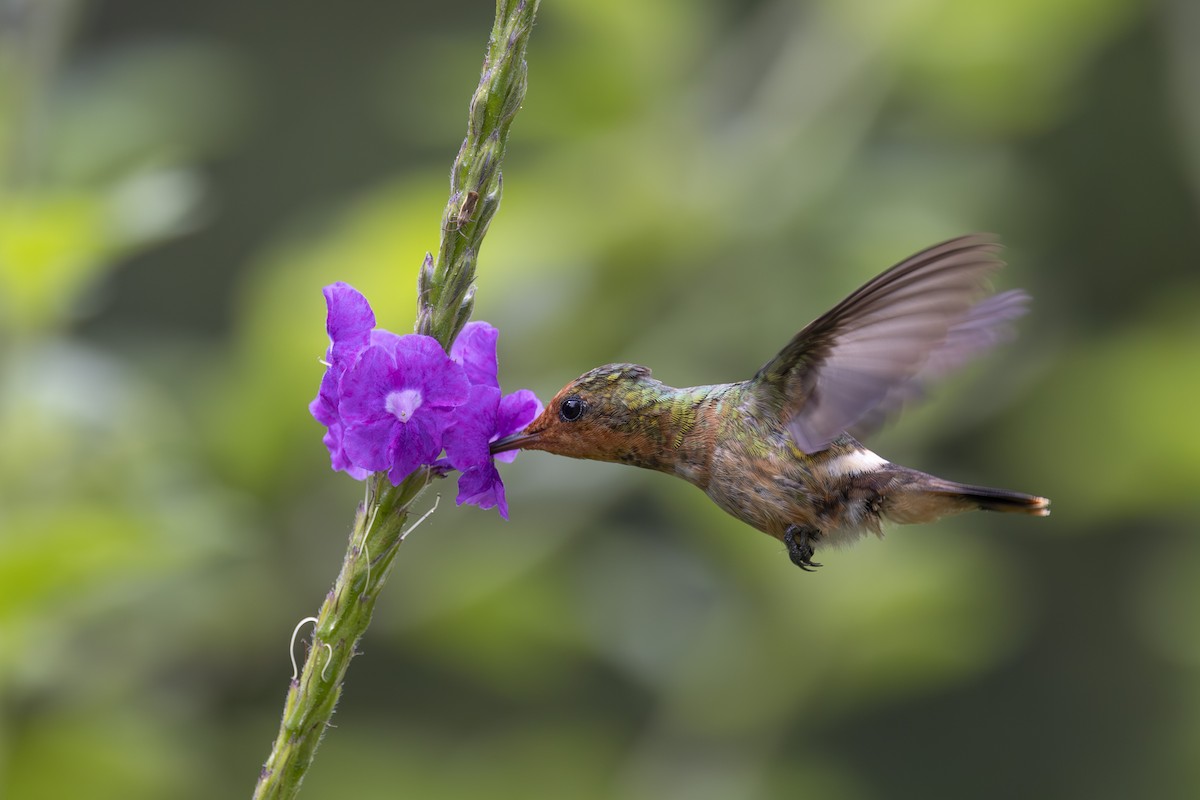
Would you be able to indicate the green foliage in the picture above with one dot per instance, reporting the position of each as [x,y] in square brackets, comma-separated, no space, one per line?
[687,185]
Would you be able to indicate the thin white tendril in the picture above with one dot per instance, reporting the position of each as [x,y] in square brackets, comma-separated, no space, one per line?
[329,661]
[326,364]
[367,532]
[424,517]
[292,644]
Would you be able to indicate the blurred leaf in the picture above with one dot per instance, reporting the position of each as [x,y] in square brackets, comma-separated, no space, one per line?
[110,755]
[154,104]
[63,552]
[51,246]
[1000,65]
[95,512]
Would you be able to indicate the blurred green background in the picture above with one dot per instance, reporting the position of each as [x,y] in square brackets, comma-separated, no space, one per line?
[688,184]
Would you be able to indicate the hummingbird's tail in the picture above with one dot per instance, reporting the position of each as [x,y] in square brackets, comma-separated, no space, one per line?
[926,498]
[988,499]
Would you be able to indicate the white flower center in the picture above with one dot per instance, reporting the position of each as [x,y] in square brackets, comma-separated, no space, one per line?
[404,403]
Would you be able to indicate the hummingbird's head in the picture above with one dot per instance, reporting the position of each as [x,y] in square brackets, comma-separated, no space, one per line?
[603,415]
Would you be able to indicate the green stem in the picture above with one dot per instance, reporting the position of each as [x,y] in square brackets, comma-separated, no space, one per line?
[444,304]
[446,284]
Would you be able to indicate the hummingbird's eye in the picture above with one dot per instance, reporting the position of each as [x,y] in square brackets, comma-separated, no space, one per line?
[572,408]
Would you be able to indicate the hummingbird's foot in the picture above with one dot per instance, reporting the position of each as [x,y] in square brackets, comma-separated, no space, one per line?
[799,546]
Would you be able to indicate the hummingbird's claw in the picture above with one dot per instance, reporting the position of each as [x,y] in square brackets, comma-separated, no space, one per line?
[799,546]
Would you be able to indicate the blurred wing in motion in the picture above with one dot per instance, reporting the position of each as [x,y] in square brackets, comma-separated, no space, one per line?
[876,349]
[986,325]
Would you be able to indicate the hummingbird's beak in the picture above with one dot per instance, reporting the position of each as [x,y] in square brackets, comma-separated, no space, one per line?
[514,442]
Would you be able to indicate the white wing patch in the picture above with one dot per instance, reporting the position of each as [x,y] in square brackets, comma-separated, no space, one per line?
[854,463]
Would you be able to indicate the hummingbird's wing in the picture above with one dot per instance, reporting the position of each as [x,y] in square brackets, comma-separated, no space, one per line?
[986,325]
[858,362]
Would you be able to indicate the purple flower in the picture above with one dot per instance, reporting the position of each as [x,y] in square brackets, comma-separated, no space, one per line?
[480,485]
[396,401]
[349,323]
[385,399]
[485,417]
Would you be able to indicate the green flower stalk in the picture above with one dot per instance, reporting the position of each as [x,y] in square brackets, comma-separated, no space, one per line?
[445,300]
[445,286]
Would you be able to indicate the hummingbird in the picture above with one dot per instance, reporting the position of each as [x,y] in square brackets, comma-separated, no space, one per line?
[779,451]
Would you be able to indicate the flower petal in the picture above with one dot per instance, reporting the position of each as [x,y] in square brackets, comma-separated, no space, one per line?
[481,486]
[365,384]
[324,405]
[414,444]
[369,444]
[515,412]
[424,365]
[475,349]
[472,427]
[349,320]
[338,458]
